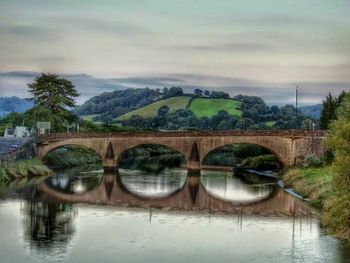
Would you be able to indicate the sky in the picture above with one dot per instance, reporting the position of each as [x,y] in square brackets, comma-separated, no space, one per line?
[254,47]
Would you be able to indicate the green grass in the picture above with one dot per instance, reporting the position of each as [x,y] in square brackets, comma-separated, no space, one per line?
[174,104]
[23,169]
[207,107]
[313,183]
[88,117]
[270,123]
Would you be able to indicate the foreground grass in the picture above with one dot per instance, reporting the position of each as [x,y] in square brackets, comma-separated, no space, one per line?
[208,107]
[316,185]
[151,110]
[23,169]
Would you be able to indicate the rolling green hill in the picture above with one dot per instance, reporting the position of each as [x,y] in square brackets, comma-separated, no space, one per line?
[174,104]
[201,107]
[208,107]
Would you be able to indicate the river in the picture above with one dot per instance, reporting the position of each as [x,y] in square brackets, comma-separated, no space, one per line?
[83,215]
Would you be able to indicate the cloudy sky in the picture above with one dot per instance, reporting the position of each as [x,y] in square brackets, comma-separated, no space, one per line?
[256,47]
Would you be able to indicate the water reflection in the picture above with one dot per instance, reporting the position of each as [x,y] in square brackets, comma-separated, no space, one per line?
[270,226]
[48,224]
[145,184]
[74,184]
[226,186]
[217,193]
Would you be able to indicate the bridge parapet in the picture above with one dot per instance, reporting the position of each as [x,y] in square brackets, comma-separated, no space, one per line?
[281,133]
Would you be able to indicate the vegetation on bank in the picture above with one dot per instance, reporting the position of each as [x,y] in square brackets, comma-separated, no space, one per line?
[261,162]
[23,169]
[328,187]
[313,183]
[337,207]
[71,157]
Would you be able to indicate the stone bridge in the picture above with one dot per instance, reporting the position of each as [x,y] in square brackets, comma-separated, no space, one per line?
[288,146]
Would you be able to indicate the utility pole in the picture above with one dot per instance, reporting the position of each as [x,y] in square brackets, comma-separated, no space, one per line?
[296,107]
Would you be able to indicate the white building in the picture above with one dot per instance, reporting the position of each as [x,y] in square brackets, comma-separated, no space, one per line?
[21,131]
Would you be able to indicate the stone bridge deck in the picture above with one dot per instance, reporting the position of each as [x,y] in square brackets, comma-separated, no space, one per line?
[287,145]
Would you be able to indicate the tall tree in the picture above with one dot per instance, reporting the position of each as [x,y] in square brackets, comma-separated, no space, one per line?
[55,93]
[198,92]
[328,113]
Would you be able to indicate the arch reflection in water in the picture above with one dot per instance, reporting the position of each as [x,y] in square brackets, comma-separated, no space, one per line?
[191,196]
[146,184]
[78,183]
[226,186]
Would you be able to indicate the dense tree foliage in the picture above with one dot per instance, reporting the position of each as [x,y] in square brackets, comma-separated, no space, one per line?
[184,119]
[337,215]
[328,111]
[55,93]
[330,106]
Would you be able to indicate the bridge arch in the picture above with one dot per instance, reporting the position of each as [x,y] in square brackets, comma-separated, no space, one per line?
[279,146]
[71,145]
[279,157]
[45,149]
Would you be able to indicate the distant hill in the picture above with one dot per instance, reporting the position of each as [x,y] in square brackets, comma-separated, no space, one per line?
[13,104]
[110,105]
[313,111]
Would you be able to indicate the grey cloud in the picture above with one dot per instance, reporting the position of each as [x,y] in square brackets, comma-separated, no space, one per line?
[31,32]
[281,20]
[14,83]
[114,27]
[52,59]
[227,47]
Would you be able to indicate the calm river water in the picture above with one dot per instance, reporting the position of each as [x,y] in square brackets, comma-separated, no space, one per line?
[88,216]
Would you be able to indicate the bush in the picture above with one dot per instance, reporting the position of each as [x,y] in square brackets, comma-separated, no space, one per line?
[312,160]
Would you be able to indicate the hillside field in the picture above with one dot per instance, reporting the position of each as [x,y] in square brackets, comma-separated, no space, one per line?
[208,107]
[174,104]
[201,107]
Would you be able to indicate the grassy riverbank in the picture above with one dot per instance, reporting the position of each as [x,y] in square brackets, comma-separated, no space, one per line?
[23,169]
[316,185]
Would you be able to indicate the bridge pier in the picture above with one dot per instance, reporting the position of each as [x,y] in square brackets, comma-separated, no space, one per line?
[193,168]
[110,165]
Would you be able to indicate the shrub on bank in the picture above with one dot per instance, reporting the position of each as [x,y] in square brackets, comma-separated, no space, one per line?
[336,216]
[261,162]
[312,160]
[23,169]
